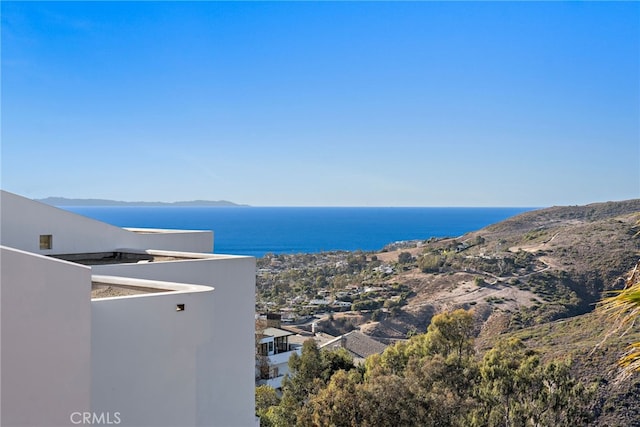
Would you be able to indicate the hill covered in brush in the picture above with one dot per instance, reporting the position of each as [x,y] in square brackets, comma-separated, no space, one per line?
[534,278]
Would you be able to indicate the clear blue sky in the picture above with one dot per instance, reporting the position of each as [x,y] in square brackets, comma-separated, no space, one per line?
[330,103]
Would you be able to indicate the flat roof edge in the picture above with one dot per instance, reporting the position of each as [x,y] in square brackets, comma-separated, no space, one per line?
[42,256]
[193,255]
[164,230]
[165,287]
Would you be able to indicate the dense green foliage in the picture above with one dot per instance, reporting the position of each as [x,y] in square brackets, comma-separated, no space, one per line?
[433,379]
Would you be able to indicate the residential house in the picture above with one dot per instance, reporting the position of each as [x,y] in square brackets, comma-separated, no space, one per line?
[273,350]
[359,345]
[102,324]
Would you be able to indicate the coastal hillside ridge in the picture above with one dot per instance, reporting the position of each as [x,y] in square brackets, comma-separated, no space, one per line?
[537,276]
[63,201]
[537,266]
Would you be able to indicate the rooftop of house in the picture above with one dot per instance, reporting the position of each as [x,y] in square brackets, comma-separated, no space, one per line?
[132,256]
[274,332]
[117,257]
[320,338]
[356,343]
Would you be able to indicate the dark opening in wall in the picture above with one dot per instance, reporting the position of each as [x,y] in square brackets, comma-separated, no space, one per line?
[179,307]
[46,241]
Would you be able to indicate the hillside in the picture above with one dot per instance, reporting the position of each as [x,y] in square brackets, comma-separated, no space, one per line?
[537,276]
[535,267]
[594,349]
[63,201]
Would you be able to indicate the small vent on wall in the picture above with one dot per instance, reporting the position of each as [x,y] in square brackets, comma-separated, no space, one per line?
[179,307]
[46,241]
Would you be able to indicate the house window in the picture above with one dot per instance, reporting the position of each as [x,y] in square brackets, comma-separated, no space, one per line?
[179,307]
[281,344]
[264,350]
[46,241]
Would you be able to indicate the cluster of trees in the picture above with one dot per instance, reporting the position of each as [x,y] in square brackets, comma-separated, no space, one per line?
[433,379]
[439,260]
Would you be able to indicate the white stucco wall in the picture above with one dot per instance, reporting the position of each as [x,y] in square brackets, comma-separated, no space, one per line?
[45,339]
[225,367]
[24,220]
[149,361]
[281,362]
[135,356]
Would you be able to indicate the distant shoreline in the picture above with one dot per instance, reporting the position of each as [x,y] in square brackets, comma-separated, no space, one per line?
[63,201]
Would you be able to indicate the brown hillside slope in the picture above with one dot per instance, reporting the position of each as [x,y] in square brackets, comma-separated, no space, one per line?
[535,267]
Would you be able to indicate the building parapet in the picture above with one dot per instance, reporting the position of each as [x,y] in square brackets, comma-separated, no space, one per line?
[145,287]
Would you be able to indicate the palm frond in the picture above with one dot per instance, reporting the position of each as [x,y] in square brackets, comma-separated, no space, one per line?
[631,360]
[622,309]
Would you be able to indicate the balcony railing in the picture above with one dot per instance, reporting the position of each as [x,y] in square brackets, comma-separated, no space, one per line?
[283,357]
[273,382]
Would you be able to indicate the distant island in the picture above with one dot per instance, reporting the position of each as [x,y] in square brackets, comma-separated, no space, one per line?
[63,201]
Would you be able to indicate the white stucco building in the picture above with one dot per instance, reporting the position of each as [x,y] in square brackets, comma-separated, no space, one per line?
[273,351]
[105,325]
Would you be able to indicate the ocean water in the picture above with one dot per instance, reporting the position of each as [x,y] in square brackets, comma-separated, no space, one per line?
[259,230]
